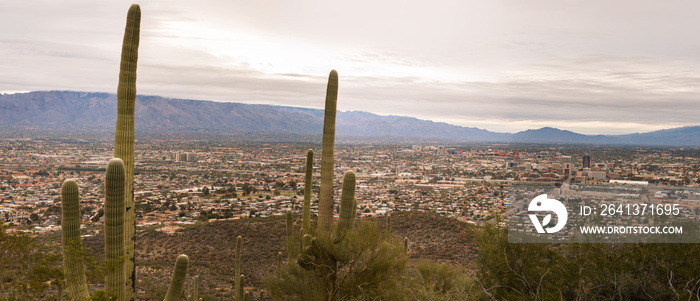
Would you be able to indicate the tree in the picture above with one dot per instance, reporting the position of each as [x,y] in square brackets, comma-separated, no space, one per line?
[34,217]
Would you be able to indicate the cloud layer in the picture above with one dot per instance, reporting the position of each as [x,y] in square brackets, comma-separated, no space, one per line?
[587,66]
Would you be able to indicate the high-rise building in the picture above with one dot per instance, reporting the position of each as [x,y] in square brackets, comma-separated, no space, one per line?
[586,161]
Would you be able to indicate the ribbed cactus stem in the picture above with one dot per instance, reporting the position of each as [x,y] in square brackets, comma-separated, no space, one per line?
[247,297]
[325,202]
[195,293]
[178,280]
[290,236]
[279,264]
[348,204]
[306,213]
[124,133]
[405,243]
[238,286]
[73,264]
[242,295]
[114,208]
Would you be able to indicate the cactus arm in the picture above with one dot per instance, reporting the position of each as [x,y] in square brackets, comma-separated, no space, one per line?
[124,133]
[178,280]
[306,213]
[73,264]
[114,208]
[348,205]
[325,203]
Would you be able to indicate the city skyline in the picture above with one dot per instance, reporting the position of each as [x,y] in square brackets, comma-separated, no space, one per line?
[591,67]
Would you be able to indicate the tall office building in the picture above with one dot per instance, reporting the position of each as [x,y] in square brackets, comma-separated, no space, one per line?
[586,161]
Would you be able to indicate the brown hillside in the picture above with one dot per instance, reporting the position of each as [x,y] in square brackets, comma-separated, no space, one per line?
[211,248]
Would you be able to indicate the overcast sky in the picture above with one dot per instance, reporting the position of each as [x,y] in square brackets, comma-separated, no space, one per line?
[609,66]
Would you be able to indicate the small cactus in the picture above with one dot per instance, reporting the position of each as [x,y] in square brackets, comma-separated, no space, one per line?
[114,228]
[178,280]
[73,263]
[348,205]
[279,264]
[195,290]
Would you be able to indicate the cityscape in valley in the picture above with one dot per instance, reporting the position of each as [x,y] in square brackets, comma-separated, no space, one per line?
[179,182]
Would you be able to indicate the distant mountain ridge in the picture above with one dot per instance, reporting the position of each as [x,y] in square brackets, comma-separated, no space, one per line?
[97,111]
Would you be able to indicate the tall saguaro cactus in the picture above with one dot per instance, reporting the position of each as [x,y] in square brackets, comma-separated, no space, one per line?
[124,134]
[73,264]
[114,228]
[325,200]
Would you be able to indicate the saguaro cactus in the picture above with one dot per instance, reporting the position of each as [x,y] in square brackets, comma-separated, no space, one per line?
[325,201]
[290,236]
[178,280]
[114,209]
[114,228]
[348,203]
[124,133]
[306,214]
[73,263]
[195,291]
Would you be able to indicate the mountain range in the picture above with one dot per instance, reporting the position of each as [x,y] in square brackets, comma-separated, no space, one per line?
[86,111]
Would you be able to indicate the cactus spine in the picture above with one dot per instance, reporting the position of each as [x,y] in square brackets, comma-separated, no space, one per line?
[178,280]
[73,264]
[325,202]
[306,215]
[114,228]
[238,277]
[124,133]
